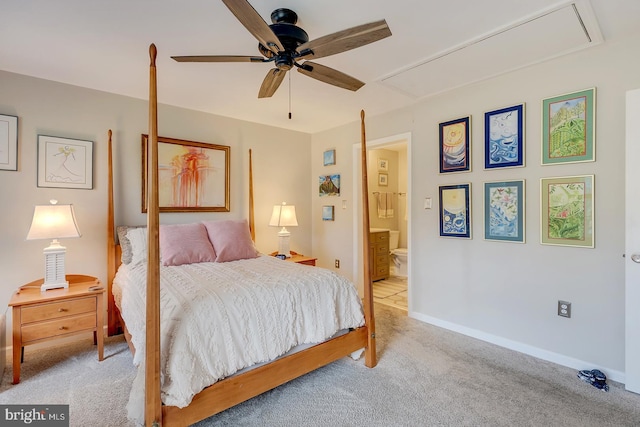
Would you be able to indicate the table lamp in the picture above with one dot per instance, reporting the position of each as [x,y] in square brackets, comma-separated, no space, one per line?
[53,222]
[283,216]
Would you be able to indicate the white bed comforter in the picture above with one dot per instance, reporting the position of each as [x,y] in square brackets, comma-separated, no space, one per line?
[218,318]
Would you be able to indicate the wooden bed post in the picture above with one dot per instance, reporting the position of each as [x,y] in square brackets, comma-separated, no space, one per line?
[370,358]
[153,403]
[112,324]
[252,227]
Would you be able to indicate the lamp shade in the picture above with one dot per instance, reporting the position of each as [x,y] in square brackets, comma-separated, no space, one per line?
[283,216]
[53,222]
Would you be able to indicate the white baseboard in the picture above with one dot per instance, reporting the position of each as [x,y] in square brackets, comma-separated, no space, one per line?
[549,356]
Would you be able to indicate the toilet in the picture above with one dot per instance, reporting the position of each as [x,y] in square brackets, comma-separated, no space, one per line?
[398,255]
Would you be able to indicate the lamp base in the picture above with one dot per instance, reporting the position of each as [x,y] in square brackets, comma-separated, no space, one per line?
[54,285]
[283,243]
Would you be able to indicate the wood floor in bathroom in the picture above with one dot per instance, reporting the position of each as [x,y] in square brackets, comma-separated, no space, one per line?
[392,292]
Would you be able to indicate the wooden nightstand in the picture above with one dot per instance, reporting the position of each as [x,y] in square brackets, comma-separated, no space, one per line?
[300,259]
[56,313]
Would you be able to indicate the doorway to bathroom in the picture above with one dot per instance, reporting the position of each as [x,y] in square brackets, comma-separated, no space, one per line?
[388,171]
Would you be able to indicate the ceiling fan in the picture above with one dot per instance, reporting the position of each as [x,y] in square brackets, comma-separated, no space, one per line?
[285,44]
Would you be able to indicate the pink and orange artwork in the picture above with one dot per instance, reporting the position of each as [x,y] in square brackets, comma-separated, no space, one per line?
[192,176]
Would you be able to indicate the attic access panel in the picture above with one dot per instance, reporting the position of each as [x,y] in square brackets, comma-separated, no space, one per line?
[550,34]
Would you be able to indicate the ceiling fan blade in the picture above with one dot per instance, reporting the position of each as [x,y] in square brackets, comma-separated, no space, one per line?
[344,40]
[253,22]
[218,58]
[329,75]
[271,83]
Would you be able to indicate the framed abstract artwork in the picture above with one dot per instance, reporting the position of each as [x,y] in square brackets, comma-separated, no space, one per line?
[65,162]
[192,176]
[329,157]
[455,144]
[455,210]
[8,143]
[569,128]
[504,211]
[504,137]
[329,185]
[328,213]
[567,211]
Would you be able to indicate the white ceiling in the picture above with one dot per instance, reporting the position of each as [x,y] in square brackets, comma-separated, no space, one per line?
[436,45]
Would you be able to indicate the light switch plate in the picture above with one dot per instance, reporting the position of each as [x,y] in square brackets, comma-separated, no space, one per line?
[427,203]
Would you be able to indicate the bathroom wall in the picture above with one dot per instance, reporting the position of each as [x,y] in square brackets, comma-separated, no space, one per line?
[397,178]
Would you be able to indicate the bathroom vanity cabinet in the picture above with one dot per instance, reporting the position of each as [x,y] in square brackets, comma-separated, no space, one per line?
[379,254]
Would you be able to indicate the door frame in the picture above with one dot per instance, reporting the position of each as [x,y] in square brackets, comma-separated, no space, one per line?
[632,242]
[357,215]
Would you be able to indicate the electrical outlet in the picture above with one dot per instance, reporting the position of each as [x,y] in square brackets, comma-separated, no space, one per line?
[337,263]
[564,309]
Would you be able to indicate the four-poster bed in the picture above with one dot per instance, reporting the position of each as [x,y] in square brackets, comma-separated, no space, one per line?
[239,387]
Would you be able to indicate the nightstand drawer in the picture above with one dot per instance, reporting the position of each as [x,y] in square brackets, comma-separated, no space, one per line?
[55,310]
[58,327]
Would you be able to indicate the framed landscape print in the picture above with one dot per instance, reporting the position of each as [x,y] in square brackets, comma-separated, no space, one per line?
[455,142]
[504,137]
[329,157]
[8,143]
[329,185]
[65,162]
[455,210]
[328,213]
[567,211]
[569,128]
[192,176]
[504,215]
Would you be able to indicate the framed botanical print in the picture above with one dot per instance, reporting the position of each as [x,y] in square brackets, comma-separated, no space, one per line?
[455,210]
[383,179]
[567,213]
[569,128]
[455,145]
[504,213]
[504,137]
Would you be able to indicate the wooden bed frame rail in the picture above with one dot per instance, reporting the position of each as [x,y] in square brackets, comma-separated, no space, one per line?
[236,389]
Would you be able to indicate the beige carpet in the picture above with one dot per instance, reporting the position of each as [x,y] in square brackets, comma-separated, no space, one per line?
[426,376]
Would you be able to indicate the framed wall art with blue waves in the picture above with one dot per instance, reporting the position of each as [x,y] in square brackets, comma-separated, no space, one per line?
[455,210]
[504,137]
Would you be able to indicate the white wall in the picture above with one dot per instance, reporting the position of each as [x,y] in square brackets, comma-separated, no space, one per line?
[281,161]
[504,292]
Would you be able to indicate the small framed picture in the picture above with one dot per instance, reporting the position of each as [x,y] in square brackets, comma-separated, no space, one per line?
[504,211]
[504,137]
[567,211]
[65,162]
[455,210]
[569,128]
[328,213]
[329,157]
[383,165]
[8,143]
[382,179]
[329,185]
[455,144]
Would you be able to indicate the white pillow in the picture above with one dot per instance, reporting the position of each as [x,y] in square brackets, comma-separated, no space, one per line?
[138,239]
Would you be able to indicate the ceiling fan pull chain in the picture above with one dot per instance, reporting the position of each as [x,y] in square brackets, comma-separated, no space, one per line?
[289,96]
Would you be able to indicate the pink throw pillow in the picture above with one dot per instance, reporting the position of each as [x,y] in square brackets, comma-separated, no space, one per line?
[185,244]
[231,240]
